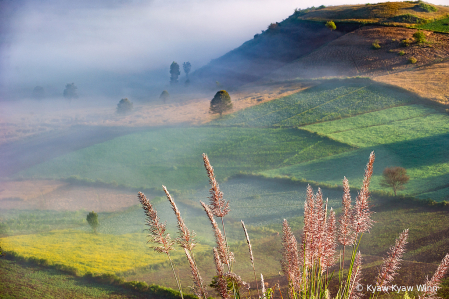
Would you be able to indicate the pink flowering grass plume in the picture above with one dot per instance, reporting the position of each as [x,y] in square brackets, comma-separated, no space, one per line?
[157,229]
[158,235]
[186,241]
[290,259]
[222,248]
[361,212]
[251,256]
[198,288]
[329,244]
[221,280]
[356,276]
[218,205]
[432,285]
[186,238]
[391,263]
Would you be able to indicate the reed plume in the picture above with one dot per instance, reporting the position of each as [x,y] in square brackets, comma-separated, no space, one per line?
[361,212]
[186,238]
[157,229]
[290,259]
[250,255]
[218,205]
[221,280]
[346,235]
[220,240]
[158,235]
[198,288]
[431,286]
[391,263]
[186,241]
[262,284]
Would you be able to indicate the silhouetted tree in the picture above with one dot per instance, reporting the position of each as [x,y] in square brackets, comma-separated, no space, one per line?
[174,72]
[221,102]
[394,177]
[38,92]
[70,91]
[92,219]
[331,25]
[164,96]
[124,106]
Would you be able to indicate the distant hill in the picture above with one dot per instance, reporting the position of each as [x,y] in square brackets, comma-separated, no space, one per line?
[302,46]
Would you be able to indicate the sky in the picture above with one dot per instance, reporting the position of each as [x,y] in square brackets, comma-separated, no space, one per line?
[54,42]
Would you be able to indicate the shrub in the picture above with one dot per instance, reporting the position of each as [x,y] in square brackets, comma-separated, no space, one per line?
[419,36]
[405,43]
[401,53]
[273,28]
[427,7]
[92,219]
[376,45]
[124,106]
[412,60]
[164,96]
[331,25]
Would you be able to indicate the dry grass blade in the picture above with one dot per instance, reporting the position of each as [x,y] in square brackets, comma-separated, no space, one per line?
[197,280]
[250,255]
[356,277]
[222,283]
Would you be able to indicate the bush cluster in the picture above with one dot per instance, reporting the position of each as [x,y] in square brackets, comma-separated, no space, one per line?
[412,60]
[376,45]
[427,7]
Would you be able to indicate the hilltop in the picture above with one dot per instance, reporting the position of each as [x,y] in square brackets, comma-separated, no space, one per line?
[302,47]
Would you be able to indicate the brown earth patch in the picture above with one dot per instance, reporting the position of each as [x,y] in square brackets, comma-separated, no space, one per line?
[353,54]
[430,82]
[62,196]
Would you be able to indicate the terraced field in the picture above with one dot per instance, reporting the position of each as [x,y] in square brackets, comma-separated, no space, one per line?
[331,100]
[173,156]
[441,25]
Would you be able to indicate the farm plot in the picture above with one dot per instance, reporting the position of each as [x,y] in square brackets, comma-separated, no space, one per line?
[439,26]
[425,160]
[173,156]
[386,126]
[88,252]
[327,101]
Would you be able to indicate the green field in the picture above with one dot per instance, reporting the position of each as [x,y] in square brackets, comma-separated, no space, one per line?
[172,157]
[440,25]
[386,126]
[330,100]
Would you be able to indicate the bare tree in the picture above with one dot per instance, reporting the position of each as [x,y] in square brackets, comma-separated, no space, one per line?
[394,177]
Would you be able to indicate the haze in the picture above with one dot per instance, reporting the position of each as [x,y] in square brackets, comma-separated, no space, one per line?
[110,46]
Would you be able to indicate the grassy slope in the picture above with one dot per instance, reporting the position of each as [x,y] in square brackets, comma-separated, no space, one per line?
[374,13]
[88,252]
[173,156]
[439,25]
[27,281]
[330,100]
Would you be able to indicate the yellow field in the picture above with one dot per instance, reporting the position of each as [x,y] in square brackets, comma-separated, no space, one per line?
[88,252]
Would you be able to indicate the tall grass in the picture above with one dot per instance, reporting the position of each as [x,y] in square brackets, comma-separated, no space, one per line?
[308,265]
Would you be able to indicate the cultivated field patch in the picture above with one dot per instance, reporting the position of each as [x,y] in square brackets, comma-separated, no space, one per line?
[88,252]
[386,126]
[441,25]
[173,156]
[330,100]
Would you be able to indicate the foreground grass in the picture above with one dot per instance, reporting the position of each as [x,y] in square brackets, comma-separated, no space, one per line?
[88,252]
[172,157]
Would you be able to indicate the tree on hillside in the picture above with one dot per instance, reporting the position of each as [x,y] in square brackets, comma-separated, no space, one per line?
[92,219]
[174,73]
[331,25]
[221,102]
[394,177]
[124,106]
[38,92]
[164,96]
[187,67]
[70,91]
